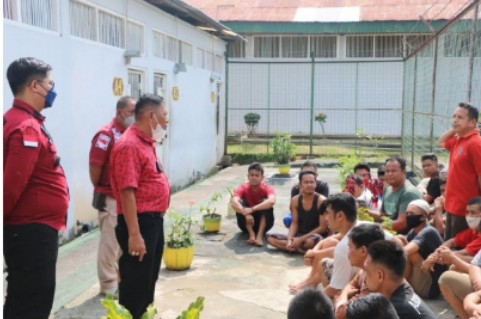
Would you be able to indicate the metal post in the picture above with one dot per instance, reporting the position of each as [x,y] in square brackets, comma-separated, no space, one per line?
[311,120]
[356,104]
[433,95]
[268,104]
[471,51]
[414,109]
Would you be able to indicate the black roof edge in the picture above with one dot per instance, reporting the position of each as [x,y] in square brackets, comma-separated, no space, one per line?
[196,18]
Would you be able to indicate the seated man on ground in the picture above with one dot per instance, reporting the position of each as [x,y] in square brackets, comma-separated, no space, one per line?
[467,241]
[397,196]
[371,306]
[384,268]
[421,241]
[438,217]
[359,240]
[429,185]
[310,304]
[253,202]
[361,193]
[457,284]
[308,223]
[321,187]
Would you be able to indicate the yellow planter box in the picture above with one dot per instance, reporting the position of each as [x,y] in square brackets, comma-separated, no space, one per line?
[178,258]
[284,169]
[212,225]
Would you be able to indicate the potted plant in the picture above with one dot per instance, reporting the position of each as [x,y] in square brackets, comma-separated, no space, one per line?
[251,119]
[179,242]
[283,150]
[210,219]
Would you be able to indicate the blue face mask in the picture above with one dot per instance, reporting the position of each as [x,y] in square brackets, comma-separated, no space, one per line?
[49,98]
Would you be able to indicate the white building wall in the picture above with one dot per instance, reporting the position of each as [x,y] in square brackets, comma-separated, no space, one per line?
[83,72]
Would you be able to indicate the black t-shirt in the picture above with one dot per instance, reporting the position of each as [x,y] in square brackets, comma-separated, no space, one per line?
[408,305]
[428,240]
[434,188]
[321,188]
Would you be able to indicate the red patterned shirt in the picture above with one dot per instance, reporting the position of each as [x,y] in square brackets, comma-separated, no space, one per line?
[102,145]
[134,163]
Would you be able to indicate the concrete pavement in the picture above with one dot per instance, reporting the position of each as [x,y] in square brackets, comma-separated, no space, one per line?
[237,280]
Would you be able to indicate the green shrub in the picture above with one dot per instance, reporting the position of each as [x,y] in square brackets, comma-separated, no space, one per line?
[243,159]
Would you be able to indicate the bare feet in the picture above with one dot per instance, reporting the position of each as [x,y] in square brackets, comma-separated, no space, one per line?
[251,240]
[259,242]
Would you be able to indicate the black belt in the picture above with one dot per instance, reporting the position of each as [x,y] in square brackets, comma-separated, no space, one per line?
[151,214]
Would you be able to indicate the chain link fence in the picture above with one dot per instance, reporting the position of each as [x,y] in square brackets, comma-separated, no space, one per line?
[442,72]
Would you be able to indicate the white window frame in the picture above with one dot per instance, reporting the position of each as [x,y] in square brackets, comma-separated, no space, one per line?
[139,43]
[159,48]
[275,54]
[44,21]
[333,54]
[122,28]
[95,20]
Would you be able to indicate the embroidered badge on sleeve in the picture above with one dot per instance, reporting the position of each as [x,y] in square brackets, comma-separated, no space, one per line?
[30,138]
[102,142]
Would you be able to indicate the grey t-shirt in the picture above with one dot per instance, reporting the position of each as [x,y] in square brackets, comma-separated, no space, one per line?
[408,305]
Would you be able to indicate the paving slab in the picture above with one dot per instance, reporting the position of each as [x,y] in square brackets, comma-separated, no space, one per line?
[238,280]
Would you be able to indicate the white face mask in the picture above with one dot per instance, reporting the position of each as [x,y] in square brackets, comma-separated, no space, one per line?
[158,133]
[473,222]
[129,120]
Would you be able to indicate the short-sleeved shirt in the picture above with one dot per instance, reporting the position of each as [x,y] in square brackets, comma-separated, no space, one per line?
[397,202]
[409,305]
[321,188]
[102,145]
[254,196]
[134,164]
[343,271]
[34,185]
[434,188]
[428,240]
[464,169]
[470,240]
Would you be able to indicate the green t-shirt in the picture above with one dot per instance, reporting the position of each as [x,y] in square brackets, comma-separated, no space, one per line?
[397,202]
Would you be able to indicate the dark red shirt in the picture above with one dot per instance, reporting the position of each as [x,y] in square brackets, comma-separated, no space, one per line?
[470,240]
[254,196]
[34,185]
[102,145]
[464,169]
[134,163]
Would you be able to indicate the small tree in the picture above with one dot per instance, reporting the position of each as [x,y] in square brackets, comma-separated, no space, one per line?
[251,120]
[321,119]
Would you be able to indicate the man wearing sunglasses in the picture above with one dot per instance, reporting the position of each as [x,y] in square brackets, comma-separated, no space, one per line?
[35,193]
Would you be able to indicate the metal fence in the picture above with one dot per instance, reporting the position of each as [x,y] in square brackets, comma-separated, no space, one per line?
[444,71]
[361,99]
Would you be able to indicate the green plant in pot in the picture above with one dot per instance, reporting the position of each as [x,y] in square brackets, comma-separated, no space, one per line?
[179,241]
[252,119]
[283,150]
[210,218]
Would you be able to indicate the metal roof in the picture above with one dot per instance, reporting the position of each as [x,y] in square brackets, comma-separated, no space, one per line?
[196,18]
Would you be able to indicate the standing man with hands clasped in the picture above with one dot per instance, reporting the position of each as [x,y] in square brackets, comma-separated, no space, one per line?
[102,145]
[35,193]
[142,191]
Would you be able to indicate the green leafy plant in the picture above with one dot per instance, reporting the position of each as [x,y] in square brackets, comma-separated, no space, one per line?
[208,209]
[363,214]
[252,119]
[346,168]
[117,311]
[193,312]
[282,148]
[179,232]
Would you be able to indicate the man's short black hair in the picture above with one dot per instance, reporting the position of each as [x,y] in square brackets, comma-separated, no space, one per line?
[309,164]
[302,173]
[473,112]
[310,303]
[371,306]
[475,201]
[257,167]
[145,101]
[124,101]
[365,234]
[390,255]
[400,160]
[380,171]
[429,156]
[362,166]
[24,70]
[343,202]
[358,180]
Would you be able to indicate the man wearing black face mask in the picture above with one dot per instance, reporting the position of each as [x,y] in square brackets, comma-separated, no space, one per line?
[35,193]
[421,241]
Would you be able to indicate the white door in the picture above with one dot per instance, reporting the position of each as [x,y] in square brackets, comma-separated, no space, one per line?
[136,83]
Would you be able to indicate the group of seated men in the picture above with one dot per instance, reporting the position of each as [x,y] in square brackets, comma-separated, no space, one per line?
[353,262]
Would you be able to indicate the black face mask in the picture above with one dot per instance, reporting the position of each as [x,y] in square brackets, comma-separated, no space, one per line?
[414,220]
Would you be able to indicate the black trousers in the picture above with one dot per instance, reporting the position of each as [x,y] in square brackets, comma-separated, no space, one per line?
[268,213]
[30,253]
[137,279]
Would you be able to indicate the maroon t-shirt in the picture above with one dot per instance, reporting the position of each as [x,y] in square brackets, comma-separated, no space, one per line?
[254,196]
